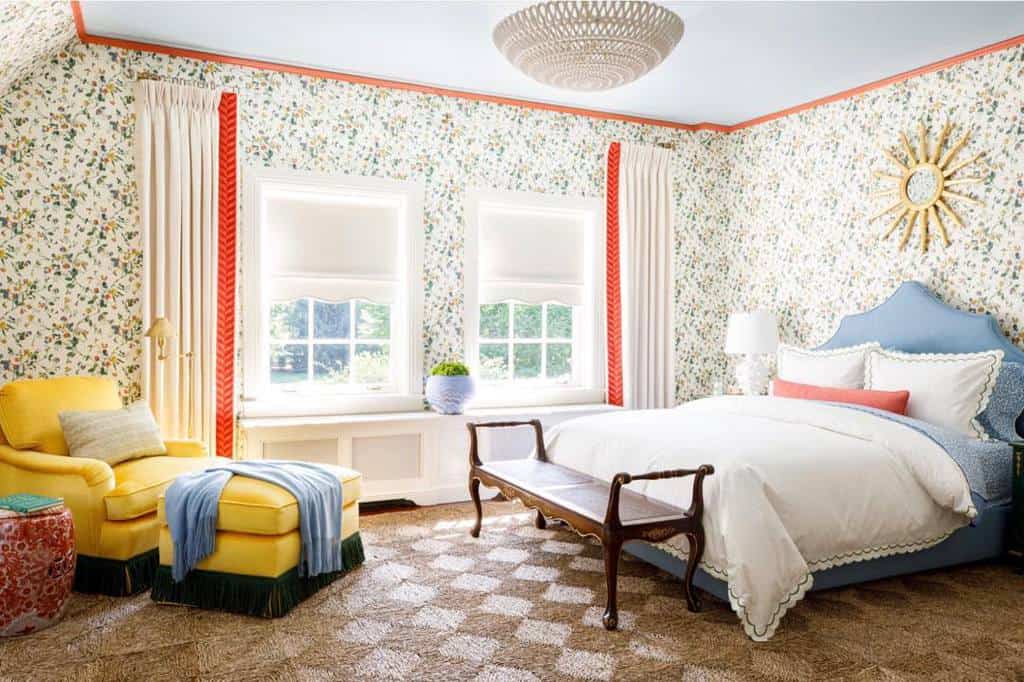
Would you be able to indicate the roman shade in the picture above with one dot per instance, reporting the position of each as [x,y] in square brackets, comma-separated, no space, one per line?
[531,256]
[331,247]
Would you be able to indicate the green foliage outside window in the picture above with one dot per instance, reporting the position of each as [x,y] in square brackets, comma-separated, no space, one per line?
[527,360]
[559,321]
[289,320]
[374,321]
[494,321]
[493,361]
[527,321]
[507,340]
[339,361]
[372,365]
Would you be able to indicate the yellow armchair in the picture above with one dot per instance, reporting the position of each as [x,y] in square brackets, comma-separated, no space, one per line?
[186,448]
[114,508]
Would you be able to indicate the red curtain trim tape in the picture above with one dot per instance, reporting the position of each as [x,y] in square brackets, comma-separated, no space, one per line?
[227,223]
[614,293]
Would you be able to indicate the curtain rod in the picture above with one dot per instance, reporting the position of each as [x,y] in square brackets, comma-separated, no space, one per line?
[150,76]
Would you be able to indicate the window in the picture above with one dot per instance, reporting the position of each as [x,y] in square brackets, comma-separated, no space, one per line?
[534,298]
[330,344]
[524,342]
[333,297]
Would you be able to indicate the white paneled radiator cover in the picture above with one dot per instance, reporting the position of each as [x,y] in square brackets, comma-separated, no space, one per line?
[419,456]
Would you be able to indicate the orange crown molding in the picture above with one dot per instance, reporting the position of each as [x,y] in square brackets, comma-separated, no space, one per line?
[85,37]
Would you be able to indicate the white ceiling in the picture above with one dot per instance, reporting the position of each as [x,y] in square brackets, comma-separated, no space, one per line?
[736,61]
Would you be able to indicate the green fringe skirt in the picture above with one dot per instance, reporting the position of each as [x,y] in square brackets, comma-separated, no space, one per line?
[248,594]
[115,577]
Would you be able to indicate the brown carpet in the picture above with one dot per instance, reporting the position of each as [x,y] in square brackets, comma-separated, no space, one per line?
[431,603]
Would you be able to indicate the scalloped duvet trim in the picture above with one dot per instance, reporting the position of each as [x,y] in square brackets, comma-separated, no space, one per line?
[801,587]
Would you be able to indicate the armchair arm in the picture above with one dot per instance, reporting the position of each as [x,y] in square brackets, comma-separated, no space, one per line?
[186,448]
[474,453]
[93,472]
[82,482]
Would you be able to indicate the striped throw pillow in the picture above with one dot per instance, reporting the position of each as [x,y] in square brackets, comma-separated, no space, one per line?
[113,436]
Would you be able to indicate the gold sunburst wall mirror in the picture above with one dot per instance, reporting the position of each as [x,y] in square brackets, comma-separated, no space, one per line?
[923,185]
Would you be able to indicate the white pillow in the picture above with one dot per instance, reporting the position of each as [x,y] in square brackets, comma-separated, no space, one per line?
[835,367]
[947,389]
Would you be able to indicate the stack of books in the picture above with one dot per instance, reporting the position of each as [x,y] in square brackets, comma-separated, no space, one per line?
[27,504]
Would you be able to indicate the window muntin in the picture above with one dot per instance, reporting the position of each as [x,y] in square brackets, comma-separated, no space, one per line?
[527,344]
[325,345]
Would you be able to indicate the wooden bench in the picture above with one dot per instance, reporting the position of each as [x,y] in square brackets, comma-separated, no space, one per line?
[593,507]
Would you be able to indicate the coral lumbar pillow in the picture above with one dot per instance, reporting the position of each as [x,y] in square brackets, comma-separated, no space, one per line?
[891,401]
[113,436]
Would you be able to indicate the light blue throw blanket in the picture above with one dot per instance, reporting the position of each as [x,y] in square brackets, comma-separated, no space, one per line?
[191,503]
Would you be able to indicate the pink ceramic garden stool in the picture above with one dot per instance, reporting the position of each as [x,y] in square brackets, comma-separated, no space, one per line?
[37,569]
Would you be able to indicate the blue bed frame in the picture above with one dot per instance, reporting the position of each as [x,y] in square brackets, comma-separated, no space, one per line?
[912,320]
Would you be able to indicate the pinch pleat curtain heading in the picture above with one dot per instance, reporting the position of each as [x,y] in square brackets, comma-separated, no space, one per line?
[647,282]
[177,138]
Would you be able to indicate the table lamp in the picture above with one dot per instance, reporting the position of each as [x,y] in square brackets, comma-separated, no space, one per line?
[752,335]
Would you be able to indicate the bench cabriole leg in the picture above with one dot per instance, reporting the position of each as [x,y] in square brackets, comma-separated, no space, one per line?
[612,550]
[474,493]
[696,541]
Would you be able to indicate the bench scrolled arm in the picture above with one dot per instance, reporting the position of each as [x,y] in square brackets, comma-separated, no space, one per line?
[474,452]
[623,478]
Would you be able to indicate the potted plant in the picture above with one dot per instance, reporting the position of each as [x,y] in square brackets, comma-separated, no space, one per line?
[449,386]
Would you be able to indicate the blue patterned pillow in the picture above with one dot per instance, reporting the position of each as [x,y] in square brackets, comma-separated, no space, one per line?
[1002,417]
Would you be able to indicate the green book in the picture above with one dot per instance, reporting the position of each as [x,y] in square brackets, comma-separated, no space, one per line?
[27,503]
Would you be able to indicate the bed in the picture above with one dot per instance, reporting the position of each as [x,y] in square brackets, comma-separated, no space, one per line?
[809,495]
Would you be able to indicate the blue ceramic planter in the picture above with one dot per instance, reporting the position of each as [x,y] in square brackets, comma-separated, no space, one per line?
[448,395]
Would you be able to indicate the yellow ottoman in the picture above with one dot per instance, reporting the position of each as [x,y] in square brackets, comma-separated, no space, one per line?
[254,566]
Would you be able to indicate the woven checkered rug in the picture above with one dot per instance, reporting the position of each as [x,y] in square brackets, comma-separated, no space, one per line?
[432,603]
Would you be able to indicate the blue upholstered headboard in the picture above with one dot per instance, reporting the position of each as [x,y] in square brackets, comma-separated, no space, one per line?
[913,320]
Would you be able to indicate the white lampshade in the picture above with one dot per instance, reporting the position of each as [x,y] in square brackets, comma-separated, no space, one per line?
[753,333]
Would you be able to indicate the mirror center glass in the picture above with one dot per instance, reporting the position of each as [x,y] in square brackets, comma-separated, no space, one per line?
[922,186]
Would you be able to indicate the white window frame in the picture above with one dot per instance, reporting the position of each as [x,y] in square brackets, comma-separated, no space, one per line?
[405,393]
[589,331]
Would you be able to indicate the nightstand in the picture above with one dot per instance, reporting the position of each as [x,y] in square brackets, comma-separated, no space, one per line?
[1016,542]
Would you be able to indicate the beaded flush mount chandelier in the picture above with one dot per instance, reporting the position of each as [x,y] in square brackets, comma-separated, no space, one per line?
[588,46]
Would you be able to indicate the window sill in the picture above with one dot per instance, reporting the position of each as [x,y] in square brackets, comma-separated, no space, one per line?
[531,412]
[331,405]
[493,397]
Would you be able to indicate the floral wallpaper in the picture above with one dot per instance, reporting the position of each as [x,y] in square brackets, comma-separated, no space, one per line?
[30,33]
[70,260]
[775,215]
[798,239]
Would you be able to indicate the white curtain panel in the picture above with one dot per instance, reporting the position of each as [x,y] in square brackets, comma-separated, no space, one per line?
[646,242]
[177,136]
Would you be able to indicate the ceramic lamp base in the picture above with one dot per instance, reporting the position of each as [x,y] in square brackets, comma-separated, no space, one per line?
[752,375]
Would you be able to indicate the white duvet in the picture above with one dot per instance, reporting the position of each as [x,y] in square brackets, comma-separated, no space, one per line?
[799,486]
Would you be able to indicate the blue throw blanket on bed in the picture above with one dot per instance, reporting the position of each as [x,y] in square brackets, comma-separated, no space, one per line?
[191,503]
